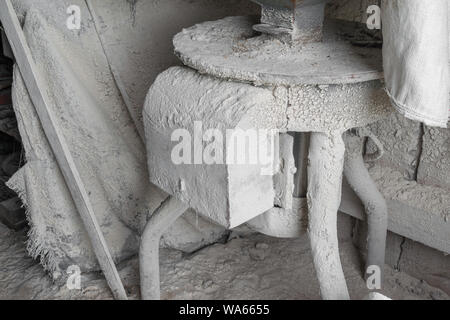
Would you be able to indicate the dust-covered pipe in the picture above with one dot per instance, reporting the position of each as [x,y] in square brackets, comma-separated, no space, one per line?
[159,222]
[326,161]
[375,205]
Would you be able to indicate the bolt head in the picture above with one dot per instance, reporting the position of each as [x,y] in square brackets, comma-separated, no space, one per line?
[298,20]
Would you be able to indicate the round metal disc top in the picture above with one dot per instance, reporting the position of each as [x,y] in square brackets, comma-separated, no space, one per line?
[231,49]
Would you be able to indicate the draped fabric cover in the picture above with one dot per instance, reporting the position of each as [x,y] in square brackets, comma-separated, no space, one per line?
[416,57]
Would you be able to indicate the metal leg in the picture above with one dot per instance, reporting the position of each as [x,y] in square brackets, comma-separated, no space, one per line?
[326,161]
[376,209]
[160,221]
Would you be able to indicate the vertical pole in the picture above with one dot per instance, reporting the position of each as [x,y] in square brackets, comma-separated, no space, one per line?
[326,162]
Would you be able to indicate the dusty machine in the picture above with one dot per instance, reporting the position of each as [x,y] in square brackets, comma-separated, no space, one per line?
[293,80]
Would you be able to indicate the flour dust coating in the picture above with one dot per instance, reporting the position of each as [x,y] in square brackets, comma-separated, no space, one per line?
[246,75]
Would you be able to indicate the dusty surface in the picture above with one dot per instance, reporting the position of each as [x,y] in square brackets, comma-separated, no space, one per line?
[402,142]
[434,165]
[89,112]
[102,137]
[254,267]
[426,209]
[228,48]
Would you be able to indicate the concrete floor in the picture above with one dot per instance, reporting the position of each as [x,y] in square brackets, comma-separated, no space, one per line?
[250,267]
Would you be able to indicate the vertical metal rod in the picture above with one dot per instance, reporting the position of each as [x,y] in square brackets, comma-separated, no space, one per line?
[301,150]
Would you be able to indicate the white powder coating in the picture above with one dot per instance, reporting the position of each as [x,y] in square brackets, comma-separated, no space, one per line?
[283,223]
[137,38]
[325,169]
[103,139]
[336,107]
[254,267]
[157,46]
[228,48]
[313,98]
[434,165]
[433,201]
[229,195]
[401,141]
[181,96]
[374,203]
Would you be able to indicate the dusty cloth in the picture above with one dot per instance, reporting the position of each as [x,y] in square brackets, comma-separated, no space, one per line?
[101,136]
[416,57]
[103,139]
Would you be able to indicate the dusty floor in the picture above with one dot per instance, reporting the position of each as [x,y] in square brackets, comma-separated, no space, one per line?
[254,267]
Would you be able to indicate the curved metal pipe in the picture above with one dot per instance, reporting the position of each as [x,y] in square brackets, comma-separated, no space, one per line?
[159,222]
[362,183]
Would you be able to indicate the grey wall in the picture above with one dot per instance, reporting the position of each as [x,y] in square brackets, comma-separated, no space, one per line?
[138,35]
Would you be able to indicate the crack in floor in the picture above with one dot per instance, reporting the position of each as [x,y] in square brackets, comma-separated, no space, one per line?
[397,265]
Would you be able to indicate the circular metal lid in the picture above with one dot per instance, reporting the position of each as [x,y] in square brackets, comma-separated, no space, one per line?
[231,49]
